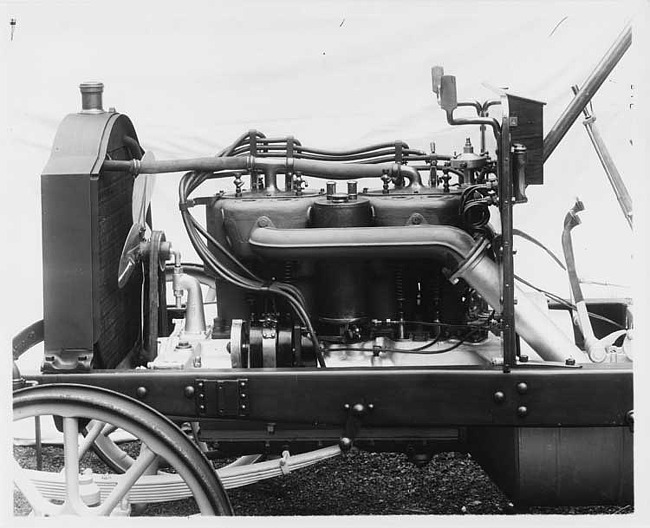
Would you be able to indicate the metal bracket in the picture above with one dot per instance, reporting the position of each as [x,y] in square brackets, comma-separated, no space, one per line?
[356,413]
[222,398]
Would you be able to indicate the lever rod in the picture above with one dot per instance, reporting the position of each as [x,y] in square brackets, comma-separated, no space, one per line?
[588,90]
[614,177]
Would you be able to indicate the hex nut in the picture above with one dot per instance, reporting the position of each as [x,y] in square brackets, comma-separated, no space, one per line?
[345,443]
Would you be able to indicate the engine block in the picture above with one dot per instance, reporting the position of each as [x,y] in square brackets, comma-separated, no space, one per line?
[345,293]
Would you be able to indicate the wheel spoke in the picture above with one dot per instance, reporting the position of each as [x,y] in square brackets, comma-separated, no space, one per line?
[109,451]
[144,460]
[71,458]
[101,412]
[109,429]
[91,436]
[38,440]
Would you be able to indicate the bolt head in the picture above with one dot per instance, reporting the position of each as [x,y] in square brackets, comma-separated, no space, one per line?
[420,459]
[345,444]
[570,361]
[358,409]
[188,391]
[141,392]
[522,411]
[499,397]
[522,388]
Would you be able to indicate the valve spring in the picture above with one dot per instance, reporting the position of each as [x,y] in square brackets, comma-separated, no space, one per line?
[399,294]
[289,271]
[399,290]
[434,296]
[399,284]
[251,301]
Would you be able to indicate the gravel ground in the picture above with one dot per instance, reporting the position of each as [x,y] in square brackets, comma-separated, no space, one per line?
[361,483]
[358,483]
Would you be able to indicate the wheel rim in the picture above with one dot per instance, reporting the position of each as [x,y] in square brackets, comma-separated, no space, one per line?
[160,439]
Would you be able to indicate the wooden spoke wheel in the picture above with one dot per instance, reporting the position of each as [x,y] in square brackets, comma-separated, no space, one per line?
[77,491]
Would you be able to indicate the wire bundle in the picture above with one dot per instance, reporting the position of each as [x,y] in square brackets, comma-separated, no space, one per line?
[236,273]
[258,144]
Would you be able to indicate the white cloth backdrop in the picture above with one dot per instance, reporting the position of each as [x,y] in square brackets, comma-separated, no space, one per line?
[193,76]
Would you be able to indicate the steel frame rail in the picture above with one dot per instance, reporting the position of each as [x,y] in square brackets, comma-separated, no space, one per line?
[528,396]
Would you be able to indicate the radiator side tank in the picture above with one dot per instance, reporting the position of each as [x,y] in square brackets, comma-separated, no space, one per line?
[86,217]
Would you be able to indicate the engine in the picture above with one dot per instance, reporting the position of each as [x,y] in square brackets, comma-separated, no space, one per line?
[347,250]
[383,255]
[311,266]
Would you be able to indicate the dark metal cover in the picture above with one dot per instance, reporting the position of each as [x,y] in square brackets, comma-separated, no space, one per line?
[86,217]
